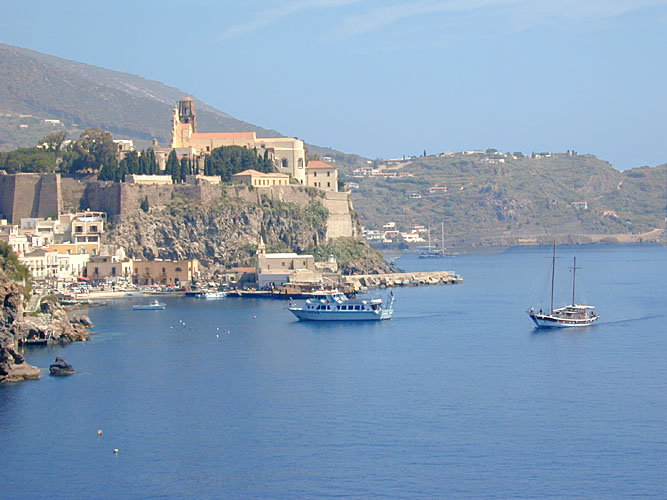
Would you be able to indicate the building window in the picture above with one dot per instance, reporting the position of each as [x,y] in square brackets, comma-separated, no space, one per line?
[284,163]
[328,184]
[93,229]
[97,271]
[179,270]
[78,229]
[314,174]
[164,270]
[328,174]
[113,271]
[208,148]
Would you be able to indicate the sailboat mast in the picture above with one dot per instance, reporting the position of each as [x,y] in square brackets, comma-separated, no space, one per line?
[553,273]
[443,236]
[429,239]
[574,276]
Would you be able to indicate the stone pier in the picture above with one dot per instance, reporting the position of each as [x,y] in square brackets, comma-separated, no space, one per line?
[402,279]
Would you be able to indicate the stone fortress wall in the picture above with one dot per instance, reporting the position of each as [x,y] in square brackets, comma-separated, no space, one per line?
[29,195]
[46,195]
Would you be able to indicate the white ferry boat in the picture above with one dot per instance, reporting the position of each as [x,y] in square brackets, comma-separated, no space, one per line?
[568,316]
[153,306]
[211,295]
[332,305]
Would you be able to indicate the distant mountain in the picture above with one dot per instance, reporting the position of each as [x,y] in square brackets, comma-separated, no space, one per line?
[81,95]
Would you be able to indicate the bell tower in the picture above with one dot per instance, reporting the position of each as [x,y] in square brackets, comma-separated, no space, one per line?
[187,113]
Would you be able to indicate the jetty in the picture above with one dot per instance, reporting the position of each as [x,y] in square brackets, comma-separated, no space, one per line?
[360,281]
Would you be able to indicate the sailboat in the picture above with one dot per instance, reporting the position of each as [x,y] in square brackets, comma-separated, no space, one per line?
[437,253]
[571,315]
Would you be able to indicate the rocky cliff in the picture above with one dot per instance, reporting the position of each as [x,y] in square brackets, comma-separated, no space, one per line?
[13,366]
[50,321]
[225,233]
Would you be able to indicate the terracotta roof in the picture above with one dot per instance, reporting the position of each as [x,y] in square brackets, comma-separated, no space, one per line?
[319,164]
[224,135]
[264,174]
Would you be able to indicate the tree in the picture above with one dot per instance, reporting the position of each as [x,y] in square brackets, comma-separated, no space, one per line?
[95,147]
[10,264]
[53,141]
[144,204]
[28,160]
[173,168]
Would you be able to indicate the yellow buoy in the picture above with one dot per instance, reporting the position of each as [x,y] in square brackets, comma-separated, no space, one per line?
[99,432]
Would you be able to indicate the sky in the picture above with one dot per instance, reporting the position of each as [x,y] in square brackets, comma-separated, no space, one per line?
[391,78]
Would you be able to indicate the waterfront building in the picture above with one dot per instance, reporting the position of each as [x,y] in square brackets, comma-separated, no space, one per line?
[165,272]
[42,263]
[105,267]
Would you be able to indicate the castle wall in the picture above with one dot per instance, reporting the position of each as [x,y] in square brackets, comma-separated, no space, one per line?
[72,191]
[340,214]
[49,199]
[30,195]
[7,196]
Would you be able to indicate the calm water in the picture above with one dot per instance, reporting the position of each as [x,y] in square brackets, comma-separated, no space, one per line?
[456,397]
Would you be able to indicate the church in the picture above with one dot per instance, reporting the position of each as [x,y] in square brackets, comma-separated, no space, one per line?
[288,155]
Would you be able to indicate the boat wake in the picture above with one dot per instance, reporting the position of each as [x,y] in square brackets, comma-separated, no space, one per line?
[632,320]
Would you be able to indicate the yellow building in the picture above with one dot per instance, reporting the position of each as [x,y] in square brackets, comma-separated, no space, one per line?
[322,175]
[165,272]
[103,267]
[288,154]
[260,179]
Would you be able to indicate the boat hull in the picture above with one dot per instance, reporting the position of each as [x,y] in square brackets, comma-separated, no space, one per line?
[305,315]
[547,321]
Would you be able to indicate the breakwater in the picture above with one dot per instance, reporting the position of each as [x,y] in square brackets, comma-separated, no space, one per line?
[359,281]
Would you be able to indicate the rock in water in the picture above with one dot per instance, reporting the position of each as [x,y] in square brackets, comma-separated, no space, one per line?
[61,367]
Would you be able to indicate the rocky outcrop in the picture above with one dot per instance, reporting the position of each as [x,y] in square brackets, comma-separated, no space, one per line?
[221,234]
[49,323]
[13,366]
[60,368]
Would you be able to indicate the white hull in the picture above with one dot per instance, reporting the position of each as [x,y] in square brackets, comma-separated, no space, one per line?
[335,306]
[547,321]
[304,315]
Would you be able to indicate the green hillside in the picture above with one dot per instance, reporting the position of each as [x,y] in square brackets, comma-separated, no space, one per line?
[493,196]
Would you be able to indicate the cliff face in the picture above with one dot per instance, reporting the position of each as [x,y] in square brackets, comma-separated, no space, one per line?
[12,365]
[223,233]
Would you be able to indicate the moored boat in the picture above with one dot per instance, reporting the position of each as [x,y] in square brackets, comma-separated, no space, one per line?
[572,315]
[332,305]
[152,306]
[211,295]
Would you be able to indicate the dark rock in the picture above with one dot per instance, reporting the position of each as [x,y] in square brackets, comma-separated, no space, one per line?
[83,320]
[61,367]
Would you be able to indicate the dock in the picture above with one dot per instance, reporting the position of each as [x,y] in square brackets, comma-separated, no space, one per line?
[361,281]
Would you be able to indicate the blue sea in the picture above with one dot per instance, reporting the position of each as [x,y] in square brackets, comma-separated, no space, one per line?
[458,396]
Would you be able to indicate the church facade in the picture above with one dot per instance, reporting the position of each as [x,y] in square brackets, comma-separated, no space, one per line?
[288,154]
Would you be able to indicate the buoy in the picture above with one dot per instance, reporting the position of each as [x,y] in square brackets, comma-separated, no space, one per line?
[254,317]
[115,450]
[99,432]
[217,336]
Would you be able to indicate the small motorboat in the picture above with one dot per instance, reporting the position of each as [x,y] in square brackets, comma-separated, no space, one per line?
[153,306]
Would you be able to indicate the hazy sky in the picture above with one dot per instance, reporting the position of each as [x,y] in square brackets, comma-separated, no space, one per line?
[391,78]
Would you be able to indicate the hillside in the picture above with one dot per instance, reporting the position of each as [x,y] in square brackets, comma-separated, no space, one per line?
[81,95]
[497,198]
